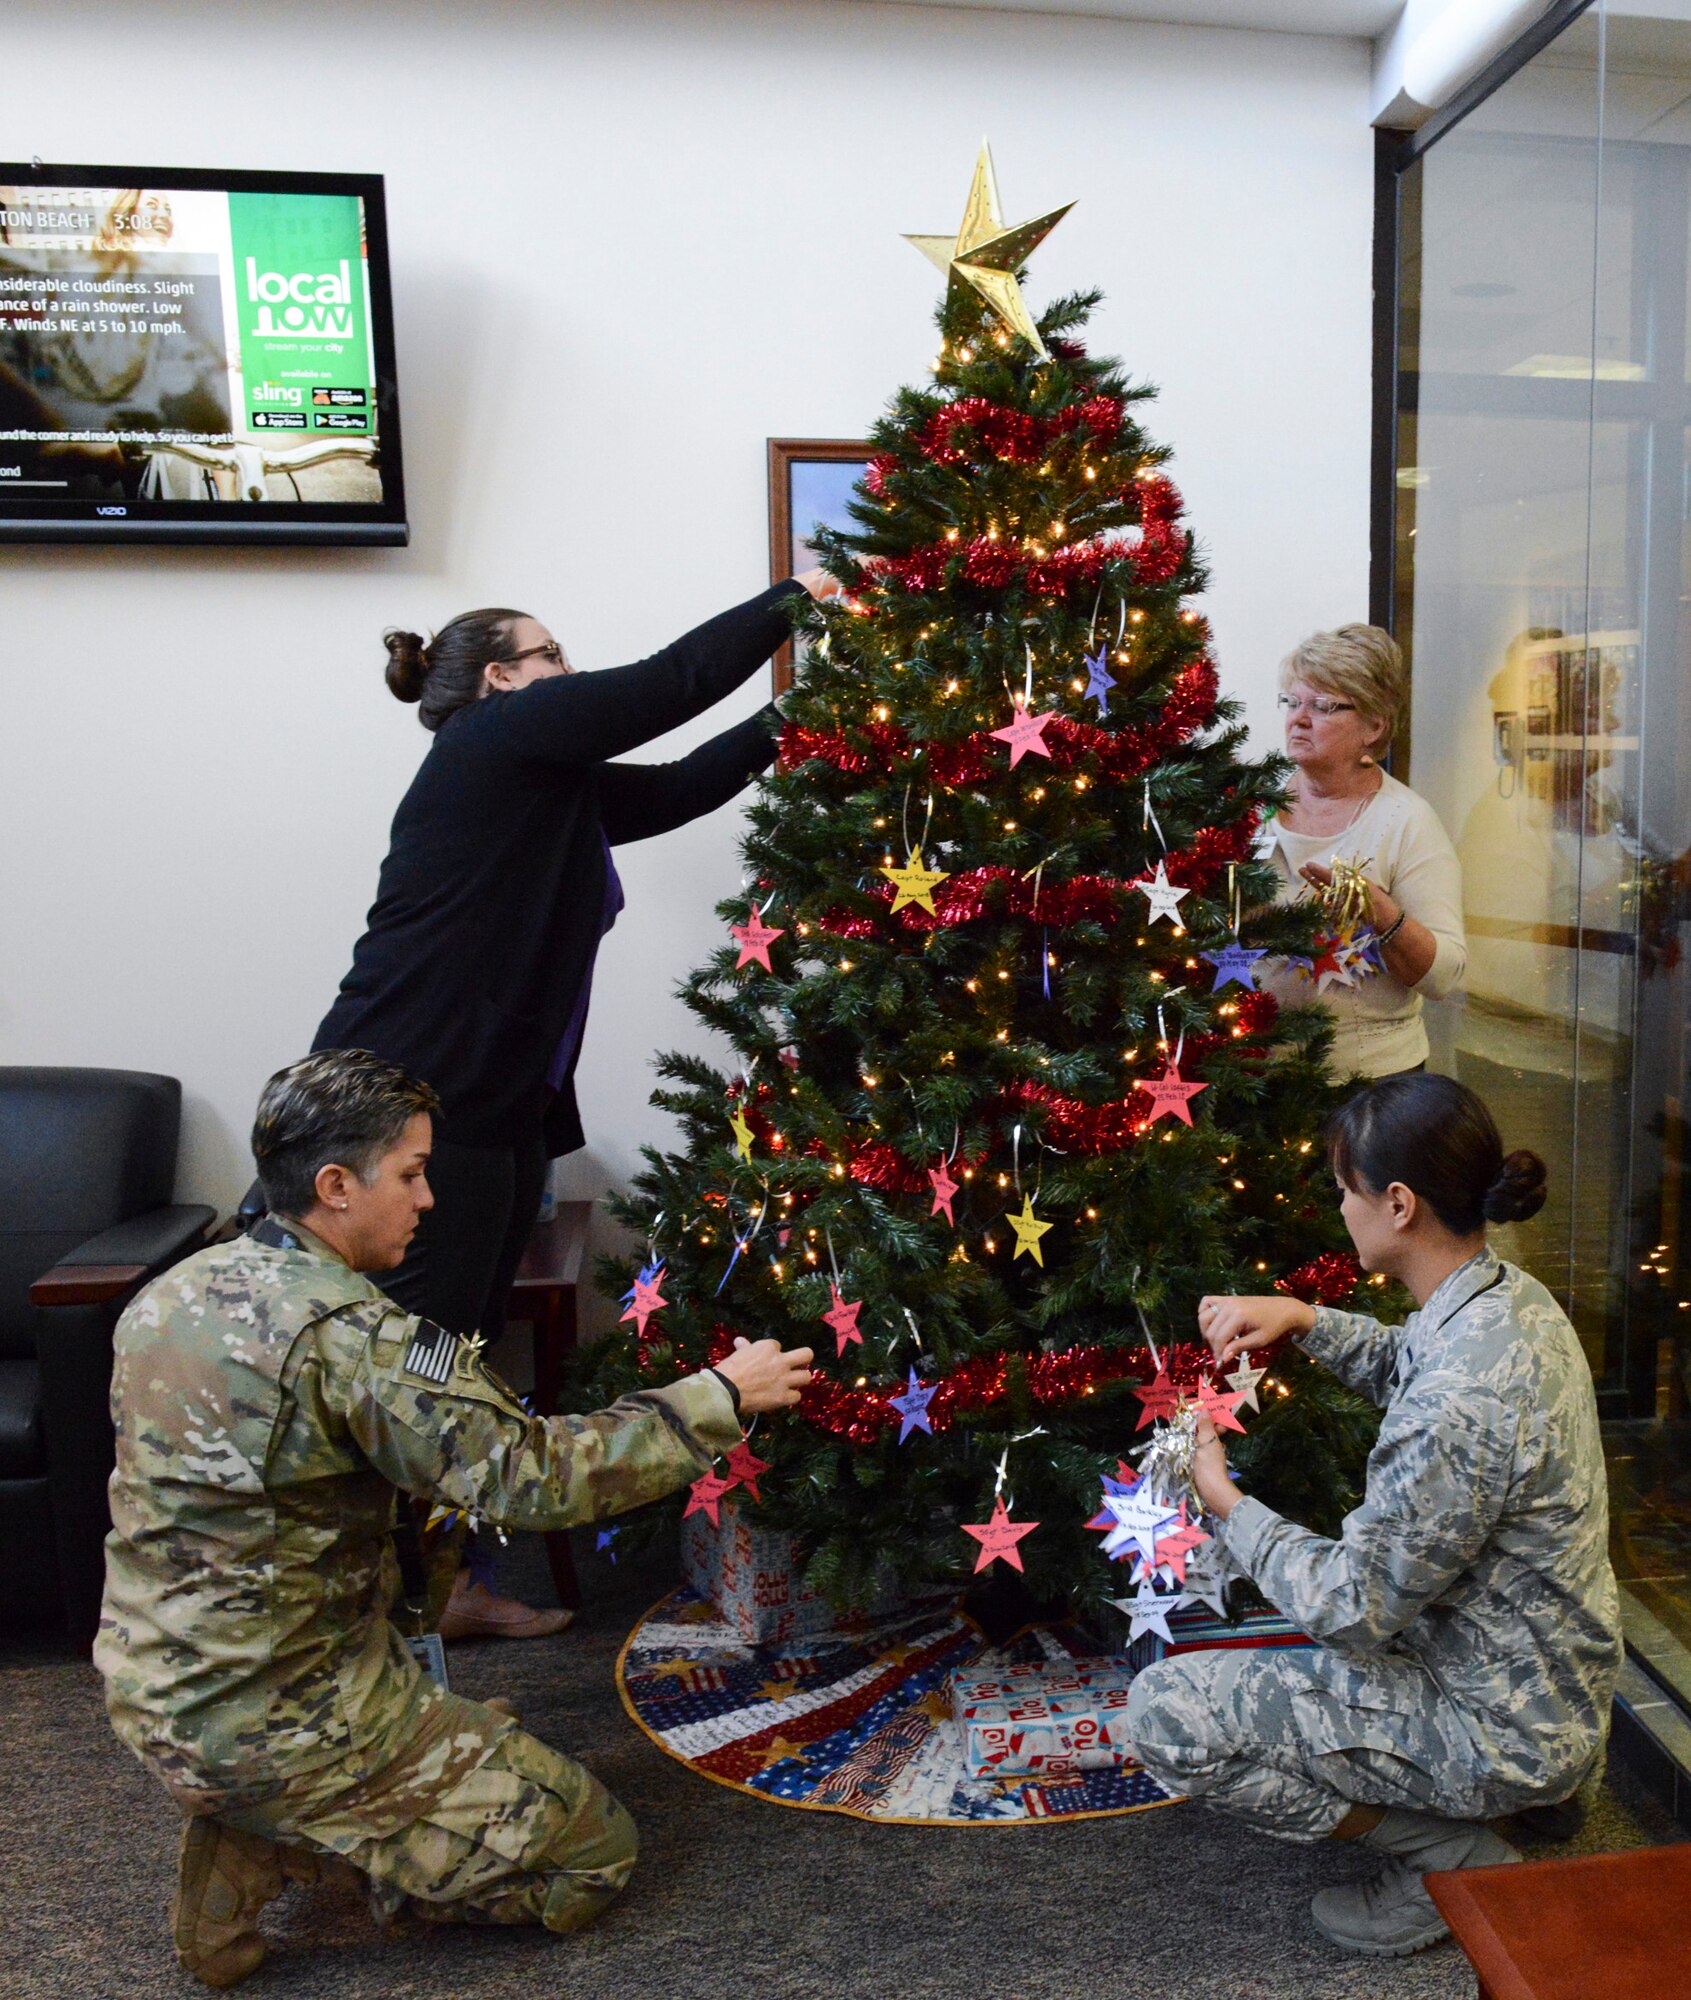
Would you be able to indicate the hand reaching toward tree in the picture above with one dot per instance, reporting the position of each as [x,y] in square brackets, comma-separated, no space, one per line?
[1239,1326]
[767,1375]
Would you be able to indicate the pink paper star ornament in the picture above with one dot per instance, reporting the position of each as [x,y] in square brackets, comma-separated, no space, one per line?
[1171,1096]
[754,938]
[999,1536]
[1026,734]
[842,1317]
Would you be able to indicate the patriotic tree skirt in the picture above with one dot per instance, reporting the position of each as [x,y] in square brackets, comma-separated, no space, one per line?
[862,1722]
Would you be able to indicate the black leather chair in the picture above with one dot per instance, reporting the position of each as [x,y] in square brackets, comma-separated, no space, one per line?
[87,1167]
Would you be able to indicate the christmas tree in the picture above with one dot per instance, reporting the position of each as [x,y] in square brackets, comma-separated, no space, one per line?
[1006,1101]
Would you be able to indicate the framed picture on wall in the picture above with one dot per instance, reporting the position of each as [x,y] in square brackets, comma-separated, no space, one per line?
[810,482]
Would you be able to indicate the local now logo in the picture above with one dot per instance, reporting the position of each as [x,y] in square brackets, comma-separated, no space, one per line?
[317,303]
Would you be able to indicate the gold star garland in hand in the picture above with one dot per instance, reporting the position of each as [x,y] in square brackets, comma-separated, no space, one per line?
[1346,898]
[984,256]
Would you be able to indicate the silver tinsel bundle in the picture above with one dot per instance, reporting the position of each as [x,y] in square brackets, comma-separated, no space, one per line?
[1165,1464]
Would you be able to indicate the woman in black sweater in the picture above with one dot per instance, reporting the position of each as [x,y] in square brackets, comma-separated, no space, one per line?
[475,969]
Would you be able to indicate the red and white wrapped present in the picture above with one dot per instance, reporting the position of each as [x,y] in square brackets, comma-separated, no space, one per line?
[1048,1721]
[752,1577]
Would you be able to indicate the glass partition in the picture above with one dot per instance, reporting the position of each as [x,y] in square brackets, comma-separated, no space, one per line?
[1541,580]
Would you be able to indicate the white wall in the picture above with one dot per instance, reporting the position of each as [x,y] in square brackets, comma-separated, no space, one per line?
[630,243]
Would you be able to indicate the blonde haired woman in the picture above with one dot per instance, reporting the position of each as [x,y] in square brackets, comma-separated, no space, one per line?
[1342,694]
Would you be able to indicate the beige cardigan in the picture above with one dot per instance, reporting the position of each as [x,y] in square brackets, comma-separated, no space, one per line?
[1401,845]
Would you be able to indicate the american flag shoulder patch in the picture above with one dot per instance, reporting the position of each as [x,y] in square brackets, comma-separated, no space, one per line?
[431,1353]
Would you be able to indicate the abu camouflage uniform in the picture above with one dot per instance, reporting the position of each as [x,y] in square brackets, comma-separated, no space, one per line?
[268,1400]
[1467,1622]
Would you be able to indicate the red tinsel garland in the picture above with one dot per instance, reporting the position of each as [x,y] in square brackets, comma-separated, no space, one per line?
[862,1414]
[1085,1128]
[1002,433]
[990,562]
[1120,754]
[1327,1280]
[1000,891]
[1069,1122]
[1011,434]
[959,899]
[1160,503]
[1213,847]
[880,1165]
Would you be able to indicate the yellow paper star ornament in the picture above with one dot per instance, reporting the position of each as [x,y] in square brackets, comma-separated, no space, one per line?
[984,257]
[1029,1229]
[741,1128]
[914,883]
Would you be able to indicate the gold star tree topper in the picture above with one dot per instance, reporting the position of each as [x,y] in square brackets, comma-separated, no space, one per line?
[984,257]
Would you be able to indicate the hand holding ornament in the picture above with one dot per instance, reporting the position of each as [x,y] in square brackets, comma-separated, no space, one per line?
[1382,911]
[819,583]
[767,1375]
[1240,1326]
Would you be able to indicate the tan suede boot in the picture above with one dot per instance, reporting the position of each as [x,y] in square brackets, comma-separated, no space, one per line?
[224,1879]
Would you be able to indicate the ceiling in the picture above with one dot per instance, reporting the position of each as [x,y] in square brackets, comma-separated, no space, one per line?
[1366,18]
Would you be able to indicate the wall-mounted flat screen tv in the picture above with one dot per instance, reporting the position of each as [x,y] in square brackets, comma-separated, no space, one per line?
[196,357]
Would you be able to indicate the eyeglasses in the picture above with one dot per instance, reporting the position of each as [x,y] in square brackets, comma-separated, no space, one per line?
[550,651]
[1316,704]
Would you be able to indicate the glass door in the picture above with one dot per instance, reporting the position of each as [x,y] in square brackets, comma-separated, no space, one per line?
[1541,588]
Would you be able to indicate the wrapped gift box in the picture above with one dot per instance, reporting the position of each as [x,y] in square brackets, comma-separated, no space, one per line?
[1048,1721]
[749,1574]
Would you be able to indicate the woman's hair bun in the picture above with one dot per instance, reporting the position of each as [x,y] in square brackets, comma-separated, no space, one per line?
[408,664]
[1518,1190]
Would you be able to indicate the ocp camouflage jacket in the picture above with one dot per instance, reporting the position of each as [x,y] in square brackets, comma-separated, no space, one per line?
[268,1400]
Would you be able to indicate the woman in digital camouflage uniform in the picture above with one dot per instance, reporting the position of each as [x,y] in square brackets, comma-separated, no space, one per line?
[1466,1620]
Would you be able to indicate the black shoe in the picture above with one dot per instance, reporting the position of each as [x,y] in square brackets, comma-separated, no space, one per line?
[1546,1825]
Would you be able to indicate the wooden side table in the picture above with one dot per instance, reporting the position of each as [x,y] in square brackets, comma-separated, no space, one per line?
[1604,1927]
[543,1293]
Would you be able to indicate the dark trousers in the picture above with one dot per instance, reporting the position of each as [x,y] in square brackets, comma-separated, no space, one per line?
[465,1253]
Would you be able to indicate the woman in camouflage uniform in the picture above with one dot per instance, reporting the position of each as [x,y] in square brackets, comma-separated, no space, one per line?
[269,1398]
[1466,1621]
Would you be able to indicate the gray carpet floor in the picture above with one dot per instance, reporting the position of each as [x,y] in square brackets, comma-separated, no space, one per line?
[734,1899]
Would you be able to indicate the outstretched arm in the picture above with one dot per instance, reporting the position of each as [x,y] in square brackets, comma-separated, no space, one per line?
[576,719]
[431,1417]
[639,800]
[1362,1352]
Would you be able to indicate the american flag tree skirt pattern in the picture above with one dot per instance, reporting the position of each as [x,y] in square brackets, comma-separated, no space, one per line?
[860,1722]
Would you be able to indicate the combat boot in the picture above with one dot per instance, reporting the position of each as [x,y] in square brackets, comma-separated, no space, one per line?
[1392,1915]
[224,1879]
[1562,1821]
